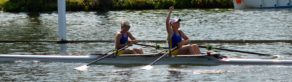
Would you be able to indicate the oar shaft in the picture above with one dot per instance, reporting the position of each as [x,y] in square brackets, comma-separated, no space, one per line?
[105,55]
[99,59]
[152,46]
[146,45]
[158,59]
[231,50]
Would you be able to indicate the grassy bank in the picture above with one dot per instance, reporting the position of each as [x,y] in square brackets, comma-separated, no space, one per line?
[105,5]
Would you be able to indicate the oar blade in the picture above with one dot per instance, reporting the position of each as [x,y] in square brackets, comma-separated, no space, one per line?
[276,56]
[147,67]
[82,68]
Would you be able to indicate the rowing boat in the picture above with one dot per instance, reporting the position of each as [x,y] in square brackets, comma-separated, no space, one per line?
[145,59]
[125,59]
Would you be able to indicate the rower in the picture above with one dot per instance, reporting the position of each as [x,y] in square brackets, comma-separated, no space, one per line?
[125,38]
[177,38]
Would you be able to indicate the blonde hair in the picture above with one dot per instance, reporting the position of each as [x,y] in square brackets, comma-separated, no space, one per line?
[125,23]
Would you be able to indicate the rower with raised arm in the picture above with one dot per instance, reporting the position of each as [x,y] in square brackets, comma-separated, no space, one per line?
[123,38]
[177,39]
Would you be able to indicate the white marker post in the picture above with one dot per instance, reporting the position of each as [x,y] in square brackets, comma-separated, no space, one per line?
[62,19]
[62,24]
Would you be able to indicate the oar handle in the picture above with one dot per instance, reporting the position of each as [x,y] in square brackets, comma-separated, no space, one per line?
[154,46]
[232,50]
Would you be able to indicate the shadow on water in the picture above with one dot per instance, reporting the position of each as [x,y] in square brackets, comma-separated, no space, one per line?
[102,13]
[175,76]
[126,75]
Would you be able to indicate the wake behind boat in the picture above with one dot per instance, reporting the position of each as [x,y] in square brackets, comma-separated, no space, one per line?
[145,59]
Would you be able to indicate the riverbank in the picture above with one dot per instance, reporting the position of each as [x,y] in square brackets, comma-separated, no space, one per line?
[106,5]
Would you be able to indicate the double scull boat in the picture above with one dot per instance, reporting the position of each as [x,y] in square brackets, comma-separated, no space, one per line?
[145,59]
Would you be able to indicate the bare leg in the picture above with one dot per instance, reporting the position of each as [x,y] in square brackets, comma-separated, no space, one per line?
[186,49]
[127,51]
[191,49]
[139,51]
[196,49]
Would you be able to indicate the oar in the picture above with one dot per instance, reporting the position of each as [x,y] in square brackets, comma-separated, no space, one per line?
[85,67]
[232,50]
[154,46]
[149,66]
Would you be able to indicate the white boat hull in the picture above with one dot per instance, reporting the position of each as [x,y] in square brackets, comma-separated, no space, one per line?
[255,61]
[144,60]
[136,59]
[244,4]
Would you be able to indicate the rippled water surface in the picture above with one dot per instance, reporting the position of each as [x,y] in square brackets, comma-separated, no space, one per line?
[211,24]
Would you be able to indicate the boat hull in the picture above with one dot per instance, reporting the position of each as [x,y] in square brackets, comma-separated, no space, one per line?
[145,59]
[130,59]
[255,61]
[185,60]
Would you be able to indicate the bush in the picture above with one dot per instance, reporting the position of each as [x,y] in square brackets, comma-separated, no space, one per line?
[105,5]
[30,5]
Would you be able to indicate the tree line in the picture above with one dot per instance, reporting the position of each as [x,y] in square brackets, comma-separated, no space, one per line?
[106,5]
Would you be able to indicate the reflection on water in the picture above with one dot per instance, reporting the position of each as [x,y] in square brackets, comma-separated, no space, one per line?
[29,48]
[24,27]
[63,49]
[23,71]
[40,71]
[124,75]
[175,76]
[34,18]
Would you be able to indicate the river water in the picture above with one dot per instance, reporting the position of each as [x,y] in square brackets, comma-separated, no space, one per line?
[210,24]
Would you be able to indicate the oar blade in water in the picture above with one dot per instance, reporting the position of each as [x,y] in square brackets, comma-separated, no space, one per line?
[82,68]
[147,67]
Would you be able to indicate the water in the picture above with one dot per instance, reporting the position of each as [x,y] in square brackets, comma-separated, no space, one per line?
[211,24]
[104,73]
